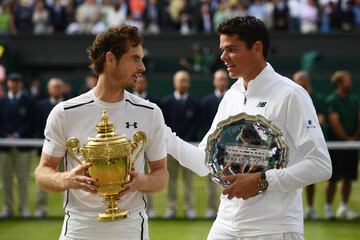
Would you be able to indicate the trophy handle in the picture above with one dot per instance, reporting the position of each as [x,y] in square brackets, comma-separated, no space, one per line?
[138,137]
[73,144]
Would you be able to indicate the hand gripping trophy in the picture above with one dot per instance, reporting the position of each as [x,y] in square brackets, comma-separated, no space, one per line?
[110,158]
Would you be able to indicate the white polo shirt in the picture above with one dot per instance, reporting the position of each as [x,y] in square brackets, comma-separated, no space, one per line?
[289,107]
[78,117]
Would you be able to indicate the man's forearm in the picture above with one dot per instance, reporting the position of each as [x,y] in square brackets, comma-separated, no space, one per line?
[49,179]
[155,181]
[186,154]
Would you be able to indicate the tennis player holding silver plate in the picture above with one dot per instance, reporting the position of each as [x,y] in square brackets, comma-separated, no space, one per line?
[245,144]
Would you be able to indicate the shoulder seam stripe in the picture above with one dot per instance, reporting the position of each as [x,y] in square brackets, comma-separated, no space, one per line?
[78,105]
[139,105]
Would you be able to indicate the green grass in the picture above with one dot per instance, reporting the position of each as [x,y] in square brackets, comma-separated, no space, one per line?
[176,229]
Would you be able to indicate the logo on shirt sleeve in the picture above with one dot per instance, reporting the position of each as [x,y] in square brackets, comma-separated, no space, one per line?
[310,124]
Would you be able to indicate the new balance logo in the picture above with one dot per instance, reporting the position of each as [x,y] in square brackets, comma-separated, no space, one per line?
[128,125]
[261,104]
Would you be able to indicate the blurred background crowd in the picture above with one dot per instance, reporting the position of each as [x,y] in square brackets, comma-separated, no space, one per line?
[184,16]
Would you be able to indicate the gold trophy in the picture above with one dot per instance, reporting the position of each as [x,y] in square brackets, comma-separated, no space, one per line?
[110,158]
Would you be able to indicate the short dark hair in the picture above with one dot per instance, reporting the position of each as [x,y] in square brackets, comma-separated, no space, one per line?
[117,40]
[15,77]
[248,29]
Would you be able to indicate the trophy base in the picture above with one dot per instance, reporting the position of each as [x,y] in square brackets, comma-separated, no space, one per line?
[114,214]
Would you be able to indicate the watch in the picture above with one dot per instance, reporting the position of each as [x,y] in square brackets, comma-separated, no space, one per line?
[263,184]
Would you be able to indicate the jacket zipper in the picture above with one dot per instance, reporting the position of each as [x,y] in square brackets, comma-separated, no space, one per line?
[245,98]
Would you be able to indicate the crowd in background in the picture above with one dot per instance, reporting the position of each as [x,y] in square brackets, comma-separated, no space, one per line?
[23,114]
[184,16]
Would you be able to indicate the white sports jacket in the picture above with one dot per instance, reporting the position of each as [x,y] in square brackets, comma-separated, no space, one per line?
[289,107]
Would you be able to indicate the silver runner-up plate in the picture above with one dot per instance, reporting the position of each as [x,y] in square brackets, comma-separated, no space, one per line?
[244,144]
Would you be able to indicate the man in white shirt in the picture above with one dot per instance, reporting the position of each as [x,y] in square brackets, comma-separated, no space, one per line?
[277,213]
[116,55]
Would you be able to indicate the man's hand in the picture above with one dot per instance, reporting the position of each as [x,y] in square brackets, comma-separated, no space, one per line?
[138,181]
[77,180]
[244,185]
[155,181]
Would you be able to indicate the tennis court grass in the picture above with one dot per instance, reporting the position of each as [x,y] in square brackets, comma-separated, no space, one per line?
[48,229]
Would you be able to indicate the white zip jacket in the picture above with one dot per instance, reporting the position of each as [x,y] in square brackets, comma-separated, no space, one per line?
[289,107]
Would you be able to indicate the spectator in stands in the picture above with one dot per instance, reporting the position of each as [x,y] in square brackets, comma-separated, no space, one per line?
[210,105]
[347,17]
[205,19]
[121,12]
[219,15]
[2,78]
[106,11]
[303,79]
[7,24]
[356,10]
[344,120]
[294,13]
[260,10]
[68,90]
[17,111]
[281,15]
[182,114]
[35,89]
[309,17]
[91,80]
[87,15]
[55,89]
[153,17]
[58,16]
[140,89]
[41,18]
[235,8]
[70,10]
[23,13]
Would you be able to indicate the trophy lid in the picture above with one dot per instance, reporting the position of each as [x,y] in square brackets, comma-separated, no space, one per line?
[106,132]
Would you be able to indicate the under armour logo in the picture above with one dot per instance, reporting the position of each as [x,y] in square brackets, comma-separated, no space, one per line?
[261,104]
[128,125]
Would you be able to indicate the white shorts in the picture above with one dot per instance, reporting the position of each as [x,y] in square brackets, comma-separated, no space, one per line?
[219,233]
[76,227]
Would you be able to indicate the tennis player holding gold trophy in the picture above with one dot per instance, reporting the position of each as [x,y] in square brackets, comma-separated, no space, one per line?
[110,158]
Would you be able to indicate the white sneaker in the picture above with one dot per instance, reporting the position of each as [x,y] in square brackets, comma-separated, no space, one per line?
[40,213]
[24,213]
[190,213]
[151,213]
[311,214]
[170,213]
[6,213]
[328,213]
[210,213]
[344,212]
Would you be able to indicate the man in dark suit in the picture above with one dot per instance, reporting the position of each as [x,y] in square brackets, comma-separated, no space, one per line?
[55,90]
[182,114]
[140,89]
[17,113]
[209,107]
